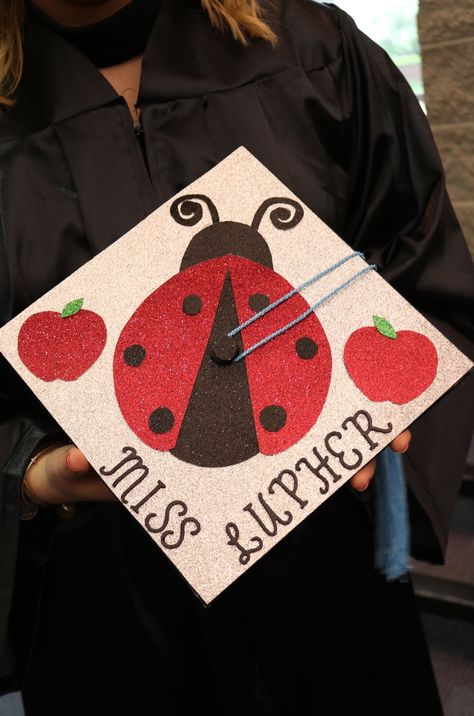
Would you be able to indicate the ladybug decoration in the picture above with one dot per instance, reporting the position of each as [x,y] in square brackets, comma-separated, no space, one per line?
[177,382]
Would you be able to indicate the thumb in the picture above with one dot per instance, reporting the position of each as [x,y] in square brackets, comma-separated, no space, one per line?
[76,462]
[65,462]
[50,474]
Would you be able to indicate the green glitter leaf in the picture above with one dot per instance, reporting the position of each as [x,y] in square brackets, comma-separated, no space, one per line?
[72,307]
[384,327]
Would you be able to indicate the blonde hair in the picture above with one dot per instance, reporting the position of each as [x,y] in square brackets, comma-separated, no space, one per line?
[11,51]
[243,18]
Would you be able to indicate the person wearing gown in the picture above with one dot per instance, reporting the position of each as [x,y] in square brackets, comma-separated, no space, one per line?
[93,618]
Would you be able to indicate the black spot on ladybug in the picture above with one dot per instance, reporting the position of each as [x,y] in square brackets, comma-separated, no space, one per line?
[258,301]
[273,418]
[134,355]
[192,305]
[306,348]
[161,421]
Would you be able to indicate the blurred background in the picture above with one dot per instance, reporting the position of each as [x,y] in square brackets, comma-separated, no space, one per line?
[432,42]
[393,25]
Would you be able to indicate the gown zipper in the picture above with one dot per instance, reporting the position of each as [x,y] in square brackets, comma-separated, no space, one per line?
[139,131]
[138,128]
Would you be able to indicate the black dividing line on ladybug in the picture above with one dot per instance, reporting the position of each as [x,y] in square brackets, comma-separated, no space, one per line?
[218,427]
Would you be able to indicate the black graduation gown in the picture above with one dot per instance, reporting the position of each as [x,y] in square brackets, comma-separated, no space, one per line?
[100,623]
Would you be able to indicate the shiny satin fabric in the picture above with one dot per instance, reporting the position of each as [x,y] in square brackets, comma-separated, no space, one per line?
[330,115]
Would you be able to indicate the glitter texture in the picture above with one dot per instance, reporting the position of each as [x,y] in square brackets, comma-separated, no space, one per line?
[277,374]
[383,368]
[56,349]
[72,307]
[322,390]
[384,327]
[175,342]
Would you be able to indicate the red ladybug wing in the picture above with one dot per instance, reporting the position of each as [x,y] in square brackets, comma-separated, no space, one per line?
[289,377]
[159,352]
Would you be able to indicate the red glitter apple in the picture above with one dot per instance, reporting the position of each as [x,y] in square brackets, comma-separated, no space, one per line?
[388,365]
[62,346]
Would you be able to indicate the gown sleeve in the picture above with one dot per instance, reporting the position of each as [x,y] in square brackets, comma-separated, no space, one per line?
[24,426]
[400,216]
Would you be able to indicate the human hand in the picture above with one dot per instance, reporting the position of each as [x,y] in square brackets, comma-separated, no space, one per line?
[63,475]
[363,478]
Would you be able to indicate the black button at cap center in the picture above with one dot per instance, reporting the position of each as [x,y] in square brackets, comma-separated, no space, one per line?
[224,349]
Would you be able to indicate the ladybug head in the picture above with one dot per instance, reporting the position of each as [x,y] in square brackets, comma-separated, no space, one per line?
[231,237]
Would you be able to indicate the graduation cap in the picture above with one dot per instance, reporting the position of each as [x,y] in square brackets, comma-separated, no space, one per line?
[231,362]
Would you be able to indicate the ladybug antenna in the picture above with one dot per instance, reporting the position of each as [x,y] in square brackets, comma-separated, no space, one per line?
[281,217]
[187,211]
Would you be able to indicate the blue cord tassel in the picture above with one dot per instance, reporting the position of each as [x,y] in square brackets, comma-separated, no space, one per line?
[392,528]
